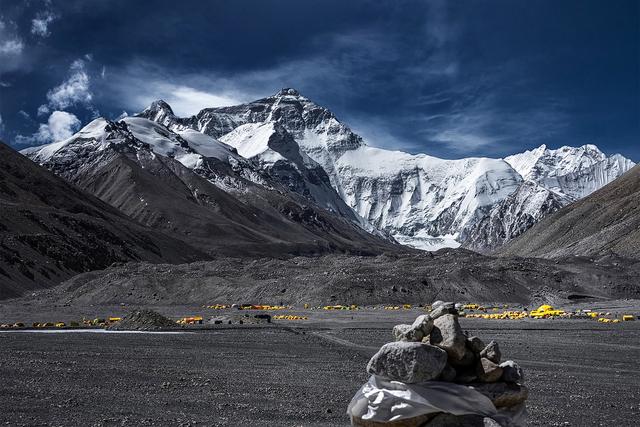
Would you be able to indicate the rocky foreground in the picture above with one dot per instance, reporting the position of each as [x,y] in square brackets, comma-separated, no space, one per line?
[408,387]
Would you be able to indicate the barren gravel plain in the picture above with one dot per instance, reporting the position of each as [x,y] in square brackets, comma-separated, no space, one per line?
[289,373]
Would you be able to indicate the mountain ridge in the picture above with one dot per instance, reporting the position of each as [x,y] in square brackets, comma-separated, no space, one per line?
[219,202]
[419,199]
[604,224]
[51,230]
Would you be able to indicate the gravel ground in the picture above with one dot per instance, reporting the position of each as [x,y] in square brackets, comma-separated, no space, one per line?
[580,373]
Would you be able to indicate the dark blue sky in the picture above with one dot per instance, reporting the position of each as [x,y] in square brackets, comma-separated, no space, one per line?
[449,78]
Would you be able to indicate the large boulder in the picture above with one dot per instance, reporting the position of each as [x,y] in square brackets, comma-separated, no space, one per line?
[423,323]
[447,334]
[408,362]
[488,371]
[407,333]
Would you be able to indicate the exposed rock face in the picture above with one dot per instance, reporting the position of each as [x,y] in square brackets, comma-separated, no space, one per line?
[513,216]
[408,362]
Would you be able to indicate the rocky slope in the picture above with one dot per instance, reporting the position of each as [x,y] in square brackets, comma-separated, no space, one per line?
[416,278]
[199,190]
[50,230]
[603,224]
[513,216]
[421,200]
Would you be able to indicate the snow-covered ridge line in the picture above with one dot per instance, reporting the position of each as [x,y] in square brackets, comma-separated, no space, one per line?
[423,201]
[420,199]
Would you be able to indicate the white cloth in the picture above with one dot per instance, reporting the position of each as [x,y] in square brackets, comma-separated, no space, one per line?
[383,400]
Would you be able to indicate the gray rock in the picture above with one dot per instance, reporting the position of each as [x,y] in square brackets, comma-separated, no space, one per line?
[512,372]
[408,362]
[423,323]
[488,371]
[442,309]
[476,345]
[447,334]
[448,374]
[407,333]
[502,394]
[469,359]
[436,304]
[492,352]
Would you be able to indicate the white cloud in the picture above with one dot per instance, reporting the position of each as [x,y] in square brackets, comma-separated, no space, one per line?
[11,47]
[74,90]
[43,110]
[40,24]
[61,125]
[24,115]
[186,100]
[462,142]
[1,125]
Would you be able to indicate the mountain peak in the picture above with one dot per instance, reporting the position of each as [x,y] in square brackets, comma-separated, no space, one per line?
[287,91]
[159,105]
[159,111]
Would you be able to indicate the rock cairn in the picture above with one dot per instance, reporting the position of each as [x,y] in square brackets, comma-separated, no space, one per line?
[435,348]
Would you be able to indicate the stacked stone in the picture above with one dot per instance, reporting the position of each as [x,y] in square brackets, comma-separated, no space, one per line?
[435,348]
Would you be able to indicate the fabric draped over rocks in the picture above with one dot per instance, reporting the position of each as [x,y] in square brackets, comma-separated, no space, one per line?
[383,400]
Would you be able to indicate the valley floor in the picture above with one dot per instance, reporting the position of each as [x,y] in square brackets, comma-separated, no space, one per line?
[579,372]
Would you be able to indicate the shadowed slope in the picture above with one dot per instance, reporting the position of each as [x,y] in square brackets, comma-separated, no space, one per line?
[50,230]
[605,223]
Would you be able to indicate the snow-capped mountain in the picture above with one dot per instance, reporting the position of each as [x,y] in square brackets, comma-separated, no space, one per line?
[287,141]
[201,190]
[513,216]
[423,201]
[270,147]
[572,171]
